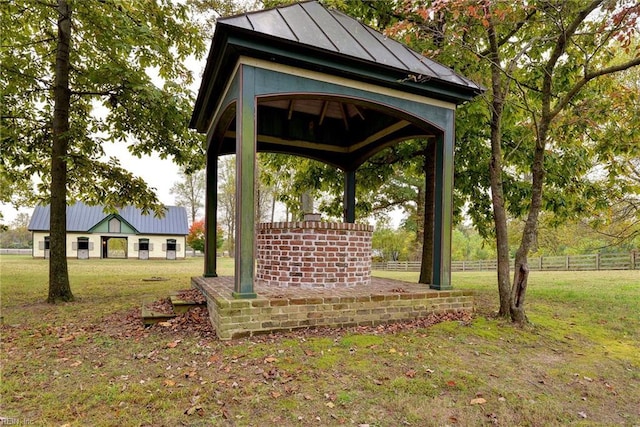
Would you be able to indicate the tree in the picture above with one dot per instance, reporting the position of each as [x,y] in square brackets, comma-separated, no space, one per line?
[195,238]
[16,235]
[541,57]
[190,192]
[227,198]
[77,74]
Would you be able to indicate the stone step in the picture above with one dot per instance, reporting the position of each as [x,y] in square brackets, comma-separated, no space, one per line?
[180,306]
[150,317]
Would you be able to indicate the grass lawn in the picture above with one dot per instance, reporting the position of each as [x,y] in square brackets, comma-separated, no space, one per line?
[81,363]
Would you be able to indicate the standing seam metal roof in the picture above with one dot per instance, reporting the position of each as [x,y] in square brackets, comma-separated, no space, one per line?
[81,218]
[309,23]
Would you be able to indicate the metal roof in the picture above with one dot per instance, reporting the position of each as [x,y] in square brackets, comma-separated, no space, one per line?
[81,218]
[308,35]
[310,24]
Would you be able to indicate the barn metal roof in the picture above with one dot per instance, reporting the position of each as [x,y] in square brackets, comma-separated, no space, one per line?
[308,35]
[82,218]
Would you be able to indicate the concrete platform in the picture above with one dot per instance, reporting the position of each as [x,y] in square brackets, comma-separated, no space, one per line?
[278,309]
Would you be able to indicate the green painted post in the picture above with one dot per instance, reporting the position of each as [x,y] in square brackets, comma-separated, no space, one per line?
[245,188]
[211,216]
[443,211]
[350,196]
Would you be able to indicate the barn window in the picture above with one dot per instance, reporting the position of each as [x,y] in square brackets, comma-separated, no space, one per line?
[83,243]
[114,225]
[171,244]
[143,244]
[47,242]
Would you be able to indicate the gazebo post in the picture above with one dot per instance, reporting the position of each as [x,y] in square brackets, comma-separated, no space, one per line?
[426,267]
[443,211]
[245,184]
[349,196]
[211,215]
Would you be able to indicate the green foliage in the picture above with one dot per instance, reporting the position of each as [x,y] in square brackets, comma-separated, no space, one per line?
[468,244]
[128,85]
[392,245]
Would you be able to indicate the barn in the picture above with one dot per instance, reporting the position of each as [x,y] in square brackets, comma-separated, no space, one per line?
[93,232]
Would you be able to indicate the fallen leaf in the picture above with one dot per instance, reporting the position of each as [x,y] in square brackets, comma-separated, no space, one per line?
[582,414]
[330,405]
[411,373]
[169,383]
[194,410]
[173,344]
[392,350]
[276,394]
[451,383]
[478,401]
[270,359]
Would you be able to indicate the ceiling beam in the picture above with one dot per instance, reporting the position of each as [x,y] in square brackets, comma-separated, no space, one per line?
[323,113]
[291,105]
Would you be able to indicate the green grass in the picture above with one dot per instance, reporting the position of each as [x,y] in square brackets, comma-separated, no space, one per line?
[78,364]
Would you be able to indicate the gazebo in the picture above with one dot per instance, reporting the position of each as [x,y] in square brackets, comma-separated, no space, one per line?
[310,81]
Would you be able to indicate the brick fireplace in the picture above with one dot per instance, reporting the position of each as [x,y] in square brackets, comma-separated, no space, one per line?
[313,254]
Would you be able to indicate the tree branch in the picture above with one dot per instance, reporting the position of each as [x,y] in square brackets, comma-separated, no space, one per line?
[587,78]
[504,39]
[558,51]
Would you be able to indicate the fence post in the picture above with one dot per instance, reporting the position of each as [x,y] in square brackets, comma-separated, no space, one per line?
[540,262]
[633,260]
[598,261]
[566,263]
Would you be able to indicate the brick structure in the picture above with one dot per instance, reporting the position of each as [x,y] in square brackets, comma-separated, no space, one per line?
[313,254]
[285,309]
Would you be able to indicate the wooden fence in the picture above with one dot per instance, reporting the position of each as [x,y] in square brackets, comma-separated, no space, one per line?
[619,261]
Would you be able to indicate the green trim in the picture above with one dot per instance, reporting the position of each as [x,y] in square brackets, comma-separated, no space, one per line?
[211,216]
[246,295]
[342,66]
[443,215]
[245,182]
[103,226]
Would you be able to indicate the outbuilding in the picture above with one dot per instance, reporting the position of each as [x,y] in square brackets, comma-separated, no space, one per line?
[93,232]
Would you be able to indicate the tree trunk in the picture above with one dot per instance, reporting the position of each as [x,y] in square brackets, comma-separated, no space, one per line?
[59,287]
[521,268]
[495,173]
[426,268]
